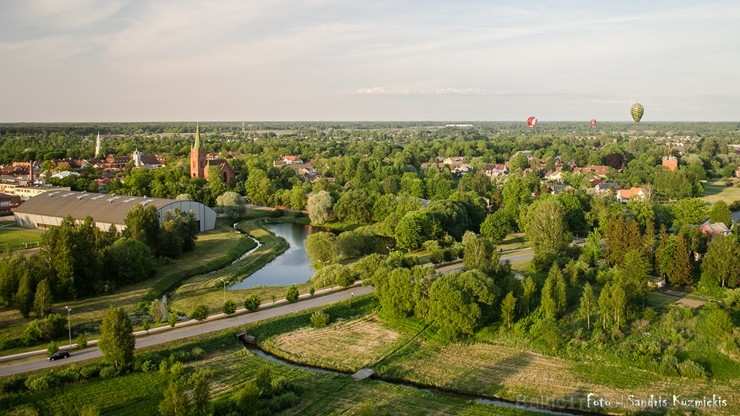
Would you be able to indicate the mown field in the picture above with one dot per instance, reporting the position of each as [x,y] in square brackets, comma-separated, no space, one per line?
[231,366]
[718,191]
[492,365]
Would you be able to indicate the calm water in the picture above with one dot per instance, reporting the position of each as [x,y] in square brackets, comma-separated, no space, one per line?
[291,267]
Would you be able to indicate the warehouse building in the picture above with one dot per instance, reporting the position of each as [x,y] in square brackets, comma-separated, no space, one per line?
[50,208]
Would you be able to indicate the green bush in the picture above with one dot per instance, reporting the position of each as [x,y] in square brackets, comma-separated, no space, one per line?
[197,353]
[292,295]
[172,319]
[81,341]
[229,307]
[668,365]
[52,347]
[319,319]
[39,382]
[252,303]
[109,372]
[200,313]
[690,369]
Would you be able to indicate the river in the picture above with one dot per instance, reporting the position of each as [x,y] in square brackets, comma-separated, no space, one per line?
[290,268]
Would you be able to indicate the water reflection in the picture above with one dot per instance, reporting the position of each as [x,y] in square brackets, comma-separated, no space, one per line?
[290,268]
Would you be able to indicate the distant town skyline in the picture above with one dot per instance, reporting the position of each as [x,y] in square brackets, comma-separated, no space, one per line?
[230,60]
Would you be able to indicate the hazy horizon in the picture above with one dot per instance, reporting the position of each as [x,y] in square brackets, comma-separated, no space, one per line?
[331,60]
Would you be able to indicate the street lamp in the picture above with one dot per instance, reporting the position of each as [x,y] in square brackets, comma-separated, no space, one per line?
[224,282]
[69,325]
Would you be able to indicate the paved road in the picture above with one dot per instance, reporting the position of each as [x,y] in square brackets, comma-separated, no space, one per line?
[526,255]
[191,331]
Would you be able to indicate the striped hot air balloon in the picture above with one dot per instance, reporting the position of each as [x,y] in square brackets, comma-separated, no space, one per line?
[532,121]
[637,111]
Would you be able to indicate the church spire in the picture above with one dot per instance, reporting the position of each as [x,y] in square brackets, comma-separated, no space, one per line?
[97,146]
[196,145]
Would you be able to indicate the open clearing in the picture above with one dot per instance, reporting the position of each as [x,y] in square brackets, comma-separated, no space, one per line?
[345,345]
[503,371]
[16,238]
[717,190]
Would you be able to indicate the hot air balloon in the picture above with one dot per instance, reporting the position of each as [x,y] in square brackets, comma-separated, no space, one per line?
[532,121]
[637,111]
[593,122]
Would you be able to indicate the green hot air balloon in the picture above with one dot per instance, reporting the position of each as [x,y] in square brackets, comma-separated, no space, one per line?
[637,111]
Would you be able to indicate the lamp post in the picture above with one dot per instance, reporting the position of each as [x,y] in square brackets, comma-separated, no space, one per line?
[69,325]
[224,282]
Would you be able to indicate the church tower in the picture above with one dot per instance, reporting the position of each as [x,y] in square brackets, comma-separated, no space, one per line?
[97,146]
[197,157]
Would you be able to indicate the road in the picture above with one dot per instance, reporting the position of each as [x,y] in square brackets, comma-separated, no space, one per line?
[190,331]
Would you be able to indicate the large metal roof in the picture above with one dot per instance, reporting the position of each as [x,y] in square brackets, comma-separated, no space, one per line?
[105,208]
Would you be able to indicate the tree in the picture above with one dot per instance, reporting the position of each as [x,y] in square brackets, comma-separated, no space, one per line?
[24,296]
[508,310]
[459,303]
[142,223]
[333,275]
[689,211]
[529,288]
[43,300]
[554,293]
[415,228]
[622,235]
[587,307]
[546,227]
[319,206]
[635,273]
[721,265]
[128,261]
[201,387]
[496,226]
[679,270]
[176,401]
[200,313]
[155,310]
[263,380]
[292,295]
[479,253]
[720,212]
[116,340]
[321,248]
[231,204]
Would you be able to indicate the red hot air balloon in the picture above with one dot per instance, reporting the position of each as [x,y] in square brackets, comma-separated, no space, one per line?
[532,121]
[593,122]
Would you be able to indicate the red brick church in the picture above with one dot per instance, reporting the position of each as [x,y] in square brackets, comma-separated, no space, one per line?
[200,162]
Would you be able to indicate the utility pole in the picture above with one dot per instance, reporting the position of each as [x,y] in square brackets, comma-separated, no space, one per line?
[69,325]
[224,282]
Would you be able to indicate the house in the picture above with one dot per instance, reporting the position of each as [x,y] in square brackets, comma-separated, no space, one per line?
[8,203]
[457,165]
[593,170]
[606,188]
[291,159]
[714,229]
[496,170]
[624,195]
[147,161]
[556,175]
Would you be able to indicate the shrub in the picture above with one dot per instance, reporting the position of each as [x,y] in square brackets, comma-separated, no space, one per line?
[252,303]
[312,291]
[81,341]
[148,366]
[200,313]
[229,307]
[690,369]
[319,319]
[109,372]
[12,385]
[292,295]
[39,382]
[668,365]
[52,347]
[90,371]
[197,353]
[172,319]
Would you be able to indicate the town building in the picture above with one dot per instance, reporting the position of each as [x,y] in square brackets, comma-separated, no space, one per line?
[200,163]
[49,209]
[670,162]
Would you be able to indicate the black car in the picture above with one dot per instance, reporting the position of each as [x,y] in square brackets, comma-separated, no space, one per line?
[59,354]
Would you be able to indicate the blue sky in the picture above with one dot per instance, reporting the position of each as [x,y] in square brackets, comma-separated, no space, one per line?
[90,60]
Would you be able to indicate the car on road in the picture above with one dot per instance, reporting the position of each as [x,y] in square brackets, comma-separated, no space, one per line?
[58,355]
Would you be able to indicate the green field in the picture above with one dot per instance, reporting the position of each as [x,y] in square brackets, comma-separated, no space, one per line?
[718,191]
[231,366]
[15,238]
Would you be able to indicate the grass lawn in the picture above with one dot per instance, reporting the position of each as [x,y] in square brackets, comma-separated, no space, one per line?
[514,241]
[716,191]
[15,238]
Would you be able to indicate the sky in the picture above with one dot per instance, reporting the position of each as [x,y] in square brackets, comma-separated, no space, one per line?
[347,60]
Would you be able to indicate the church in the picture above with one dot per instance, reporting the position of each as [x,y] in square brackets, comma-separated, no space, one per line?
[200,162]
